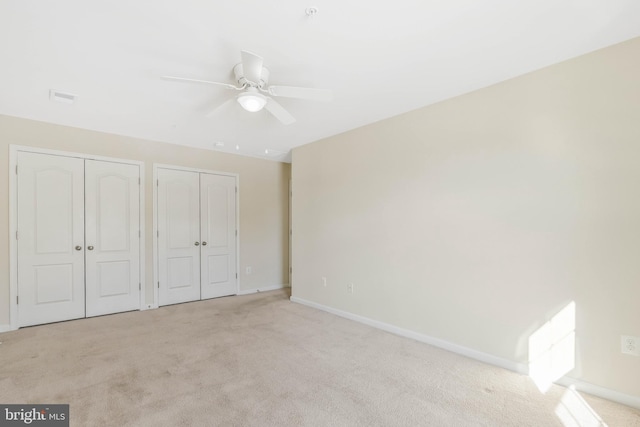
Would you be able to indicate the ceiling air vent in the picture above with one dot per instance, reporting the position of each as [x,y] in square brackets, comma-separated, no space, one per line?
[66,98]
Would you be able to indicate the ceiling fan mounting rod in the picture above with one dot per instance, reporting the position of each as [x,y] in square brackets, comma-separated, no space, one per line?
[262,76]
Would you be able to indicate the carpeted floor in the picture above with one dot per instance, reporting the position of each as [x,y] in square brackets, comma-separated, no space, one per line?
[260,360]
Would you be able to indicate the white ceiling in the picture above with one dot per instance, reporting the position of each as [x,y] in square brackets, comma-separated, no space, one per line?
[379,58]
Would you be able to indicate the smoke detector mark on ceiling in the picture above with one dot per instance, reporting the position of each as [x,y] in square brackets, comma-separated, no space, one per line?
[310,11]
[274,153]
[65,98]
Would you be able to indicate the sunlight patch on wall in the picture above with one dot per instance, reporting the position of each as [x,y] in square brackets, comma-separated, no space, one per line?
[552,348]
[574,411]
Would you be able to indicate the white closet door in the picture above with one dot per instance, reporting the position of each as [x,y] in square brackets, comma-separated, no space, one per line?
[179,236]
[218,229]
[112,218]
[50,238]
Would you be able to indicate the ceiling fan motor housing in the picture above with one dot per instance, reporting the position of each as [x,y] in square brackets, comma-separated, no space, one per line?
[239,73]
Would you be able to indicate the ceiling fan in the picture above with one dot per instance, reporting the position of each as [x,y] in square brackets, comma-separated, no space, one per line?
[252,80]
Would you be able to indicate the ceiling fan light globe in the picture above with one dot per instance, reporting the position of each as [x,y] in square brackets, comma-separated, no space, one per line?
[252,102]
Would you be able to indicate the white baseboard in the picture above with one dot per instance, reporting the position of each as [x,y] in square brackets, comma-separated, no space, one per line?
[596,390]
[262,289]
[520,368]
[5,328]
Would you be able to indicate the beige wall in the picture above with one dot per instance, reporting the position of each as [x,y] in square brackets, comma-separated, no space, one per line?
[477,219]
[263,195]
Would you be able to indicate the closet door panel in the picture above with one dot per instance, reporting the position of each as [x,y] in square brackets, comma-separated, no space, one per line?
[112,215]
[179,236]
[218,229]
[50,238]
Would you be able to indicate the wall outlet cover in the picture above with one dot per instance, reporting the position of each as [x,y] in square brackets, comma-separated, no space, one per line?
[629,345]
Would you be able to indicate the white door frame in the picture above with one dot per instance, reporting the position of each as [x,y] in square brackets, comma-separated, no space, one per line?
[13,219]
[157,166]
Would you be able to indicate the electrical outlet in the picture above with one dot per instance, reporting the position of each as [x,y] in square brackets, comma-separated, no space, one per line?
[324,282]
[630,345]
[248,270]
[350,288]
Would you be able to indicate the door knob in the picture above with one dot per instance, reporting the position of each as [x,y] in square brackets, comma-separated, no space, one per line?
[197,243]
[204,243]
[78,248]
[90,248]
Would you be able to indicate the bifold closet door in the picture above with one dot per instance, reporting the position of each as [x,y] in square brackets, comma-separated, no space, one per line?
[178,240]
[78,238]
[112,235]
[50,238]
[196,215]
[218,235]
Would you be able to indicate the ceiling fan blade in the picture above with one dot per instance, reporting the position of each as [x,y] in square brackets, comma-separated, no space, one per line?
[251,67]
[301,92]
[220,107]
[279,112]
[184,79]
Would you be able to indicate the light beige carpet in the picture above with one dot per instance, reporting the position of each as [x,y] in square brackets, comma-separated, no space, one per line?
[260,360]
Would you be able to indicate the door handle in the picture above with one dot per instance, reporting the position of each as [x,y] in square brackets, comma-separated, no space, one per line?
[90,248]
[204,243]
[197,243]
[78,248]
